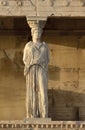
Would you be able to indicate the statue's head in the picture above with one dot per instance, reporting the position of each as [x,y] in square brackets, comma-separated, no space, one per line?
[36,33]
[36,29]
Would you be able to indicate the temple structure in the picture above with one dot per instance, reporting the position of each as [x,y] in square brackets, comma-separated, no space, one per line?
[64,32]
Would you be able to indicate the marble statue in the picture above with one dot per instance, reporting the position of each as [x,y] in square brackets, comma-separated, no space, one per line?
[36,59]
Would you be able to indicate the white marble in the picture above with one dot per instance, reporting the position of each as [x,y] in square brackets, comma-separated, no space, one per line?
[36,59]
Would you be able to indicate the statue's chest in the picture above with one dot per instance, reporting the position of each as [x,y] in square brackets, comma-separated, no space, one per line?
[38,52]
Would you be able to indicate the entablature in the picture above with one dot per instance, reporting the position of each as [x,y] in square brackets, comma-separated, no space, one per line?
[42,8]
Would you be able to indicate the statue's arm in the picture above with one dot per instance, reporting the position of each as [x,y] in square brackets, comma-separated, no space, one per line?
[25,55]
[26,58]
[48,53]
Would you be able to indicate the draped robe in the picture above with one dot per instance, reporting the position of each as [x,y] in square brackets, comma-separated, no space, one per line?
[36,58]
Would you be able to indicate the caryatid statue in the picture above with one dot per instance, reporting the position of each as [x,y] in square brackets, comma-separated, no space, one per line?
[36,59]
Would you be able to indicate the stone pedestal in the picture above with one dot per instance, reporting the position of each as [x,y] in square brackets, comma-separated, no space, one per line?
[37,120]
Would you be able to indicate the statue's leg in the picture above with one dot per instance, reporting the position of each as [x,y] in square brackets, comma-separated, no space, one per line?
[27,96]
[43,98]
[34,91]
[37,114]
[30,94]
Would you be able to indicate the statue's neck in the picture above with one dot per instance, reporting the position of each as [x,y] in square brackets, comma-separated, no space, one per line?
[36,41]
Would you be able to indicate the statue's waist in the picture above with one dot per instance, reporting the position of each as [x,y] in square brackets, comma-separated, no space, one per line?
[27,68]
[39,65]
[36,65]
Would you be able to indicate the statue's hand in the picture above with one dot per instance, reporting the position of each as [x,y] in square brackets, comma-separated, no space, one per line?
[26,69]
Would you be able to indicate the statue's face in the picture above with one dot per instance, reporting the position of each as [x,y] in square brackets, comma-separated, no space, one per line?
[36,35]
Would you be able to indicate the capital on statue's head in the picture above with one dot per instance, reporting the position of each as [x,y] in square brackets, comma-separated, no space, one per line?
[36,29]
[36,24]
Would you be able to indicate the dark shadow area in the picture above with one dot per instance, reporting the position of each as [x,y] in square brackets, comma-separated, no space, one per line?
[14,26]
[65,27]
[66,105]
[65,23]
[55,26]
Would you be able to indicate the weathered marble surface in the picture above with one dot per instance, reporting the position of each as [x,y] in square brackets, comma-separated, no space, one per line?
[42,8]
[49,125]
[36,59]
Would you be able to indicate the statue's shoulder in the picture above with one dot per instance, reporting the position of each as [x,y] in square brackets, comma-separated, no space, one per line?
[45,44]
[29,44]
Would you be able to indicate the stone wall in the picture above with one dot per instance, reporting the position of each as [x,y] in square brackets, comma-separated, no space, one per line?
[66,78]
[66,90]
